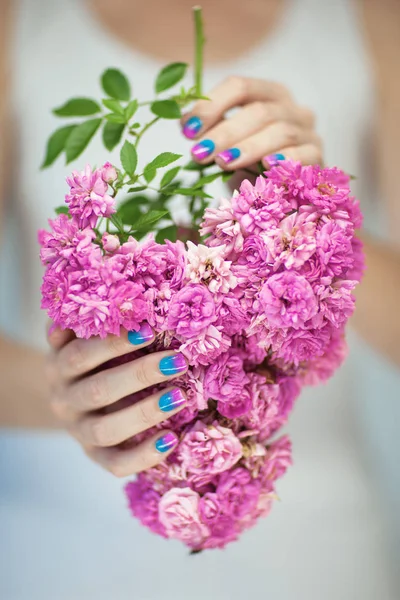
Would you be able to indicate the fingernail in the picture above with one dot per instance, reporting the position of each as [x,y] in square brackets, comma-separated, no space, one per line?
[171,400]
[166,442]
[229,155]
[172,365]
[273,159]
[192,127]
[145,334]
[203,149]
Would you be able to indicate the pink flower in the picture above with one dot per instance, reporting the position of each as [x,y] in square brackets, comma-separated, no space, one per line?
[225,378]
[207,346]
[109,173]
[287,300]
[252,264]
[207,265]
[111,242]
[277,459]
[231,315]
[191,311]
[295,346]
[291,243]
[209,449]
[224,229]
[260,206]
[321,368]
[179,514]
[334,248]
[143,503]
[264,405]
[336,302]
[88,199]
[239,493]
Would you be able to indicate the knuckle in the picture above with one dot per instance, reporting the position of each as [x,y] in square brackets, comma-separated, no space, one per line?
[116,467]
[73,357]
[98,432]
[290,134]
[260,110]
[143,377]
[239,84]
[98,393]
[113,345]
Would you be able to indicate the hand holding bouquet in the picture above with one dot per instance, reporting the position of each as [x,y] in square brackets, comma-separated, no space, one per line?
[246,317]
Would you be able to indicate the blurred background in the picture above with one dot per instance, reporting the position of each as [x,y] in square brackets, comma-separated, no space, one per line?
[65,532]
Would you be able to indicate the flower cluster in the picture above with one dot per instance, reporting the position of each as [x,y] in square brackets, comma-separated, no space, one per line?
[258,311]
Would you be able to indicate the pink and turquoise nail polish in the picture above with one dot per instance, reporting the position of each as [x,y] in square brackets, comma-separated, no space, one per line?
[203,149]
[145,334]
[171,400]
[172,365]
[166,442]
[229,155]
[273,159]
[192,127]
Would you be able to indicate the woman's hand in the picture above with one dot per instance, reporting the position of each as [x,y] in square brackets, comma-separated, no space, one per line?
[79,397]
[269,126]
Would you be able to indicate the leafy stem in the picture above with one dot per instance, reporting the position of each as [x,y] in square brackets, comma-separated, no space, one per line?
[199,43]
[144,129]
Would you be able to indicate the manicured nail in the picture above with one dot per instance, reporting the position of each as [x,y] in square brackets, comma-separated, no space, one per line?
[229,155]
[145,334]
[203,149]
[166,442]
[273,159]
[192,127]
[171,400]
[172,365]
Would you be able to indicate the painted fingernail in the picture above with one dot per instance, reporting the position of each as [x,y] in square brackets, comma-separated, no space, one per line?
[192,127]
[273,159]
[166,442]
[203,149]
[172,365]
[229,155]
[171,400]
[145,334]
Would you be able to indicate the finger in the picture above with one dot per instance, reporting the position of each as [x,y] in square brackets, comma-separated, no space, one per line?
[270,140]
[116,427]
[245,123]
[122,463]
[108,386]
[57,337]
[234,91]
[307,154]
[81,356]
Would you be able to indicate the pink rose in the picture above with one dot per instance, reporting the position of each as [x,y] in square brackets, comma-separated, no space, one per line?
[191,311]
[179,514]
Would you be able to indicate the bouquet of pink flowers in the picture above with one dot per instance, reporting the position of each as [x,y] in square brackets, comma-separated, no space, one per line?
[257,311]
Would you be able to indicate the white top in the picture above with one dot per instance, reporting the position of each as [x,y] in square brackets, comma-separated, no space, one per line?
[63,518]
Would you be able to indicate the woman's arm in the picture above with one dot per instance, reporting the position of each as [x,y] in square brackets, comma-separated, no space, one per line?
[377,317]
[23,391]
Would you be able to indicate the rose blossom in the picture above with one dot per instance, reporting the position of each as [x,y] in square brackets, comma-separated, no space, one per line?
[88,198]
[207,265]
[287,300]
[239,493]
[209,449]
[179,514]
[191,310]
[291,243]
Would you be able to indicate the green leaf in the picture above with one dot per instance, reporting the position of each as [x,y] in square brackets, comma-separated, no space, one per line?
[144,222]
[62,210]
[138,188]
[194,166]
[208,179]
[171,188]
[80,137]
[169,176]
[114,118]
[168,233]
[164,159]
[167,109]
[134,125]
[139,199]
[117,222]
[115,84]
[56,144]
[129,158]
[129,212]
[192,192]
[169,76]
[112,133]
[131,109]
[77,107]
[227,176]
[149,172]
[114,106]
